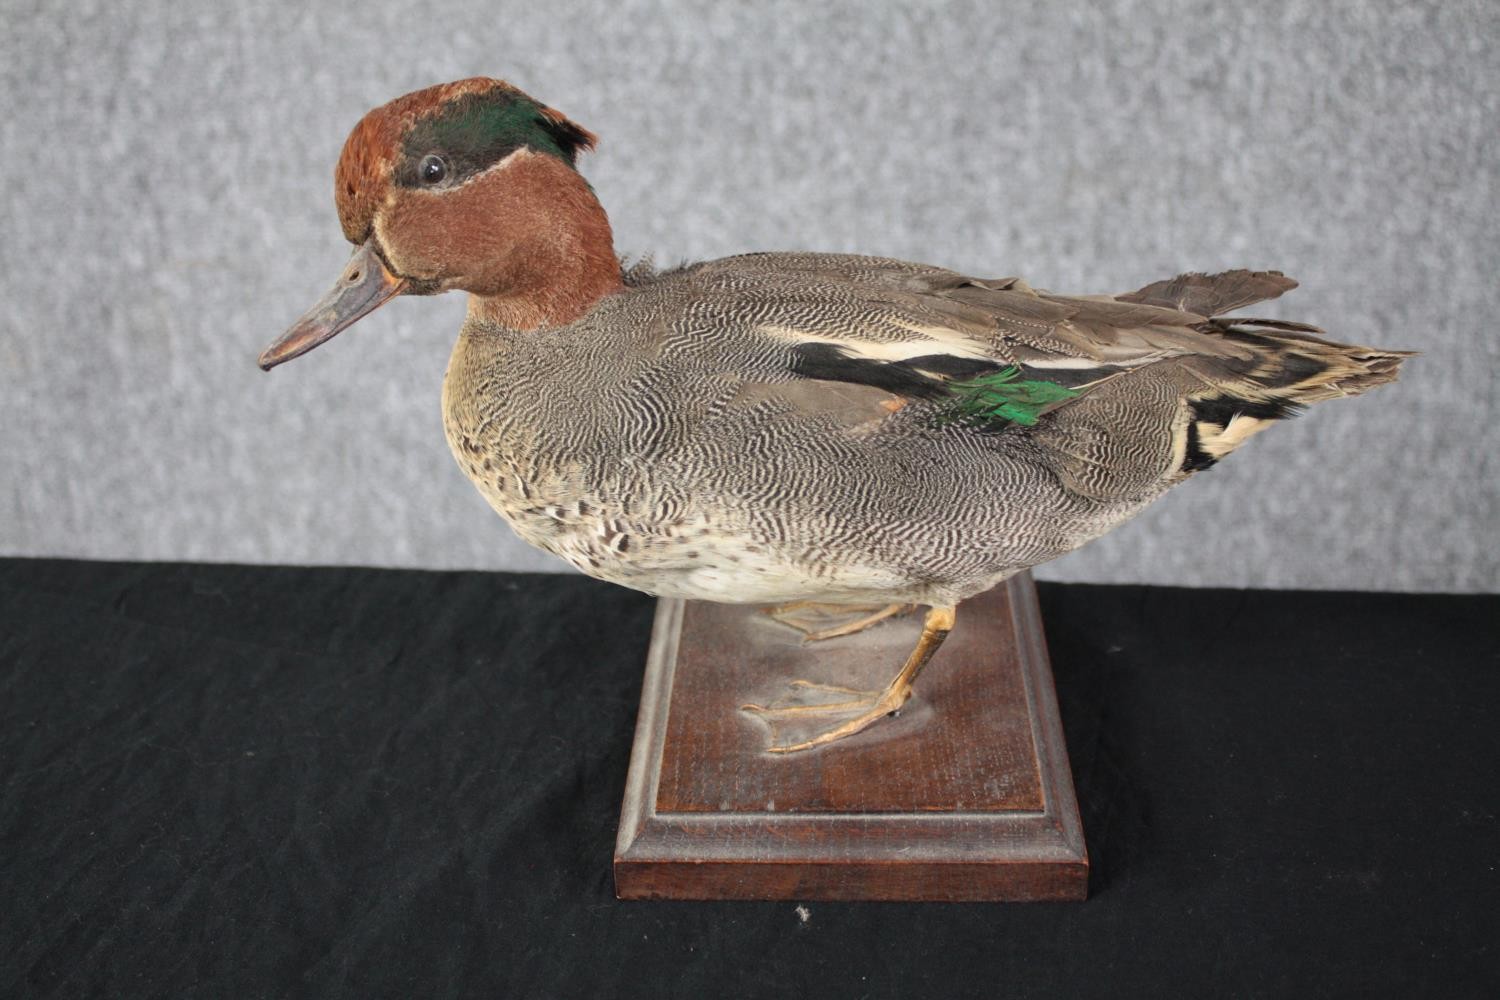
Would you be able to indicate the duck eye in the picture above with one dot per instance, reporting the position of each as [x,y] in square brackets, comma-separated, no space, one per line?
[432,169]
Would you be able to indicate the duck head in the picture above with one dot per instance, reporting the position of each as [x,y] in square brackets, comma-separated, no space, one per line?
[468,185]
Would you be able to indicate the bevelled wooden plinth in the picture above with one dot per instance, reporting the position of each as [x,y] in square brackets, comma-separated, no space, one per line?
[965,795]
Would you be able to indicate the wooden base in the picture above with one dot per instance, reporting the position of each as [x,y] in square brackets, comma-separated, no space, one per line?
[965,795]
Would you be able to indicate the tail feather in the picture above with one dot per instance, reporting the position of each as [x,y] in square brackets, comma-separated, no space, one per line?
[1298,368]
[1290,371]
[1287,366]
[1145,425]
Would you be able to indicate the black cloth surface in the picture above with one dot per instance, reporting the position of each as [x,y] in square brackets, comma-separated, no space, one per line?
[224,781]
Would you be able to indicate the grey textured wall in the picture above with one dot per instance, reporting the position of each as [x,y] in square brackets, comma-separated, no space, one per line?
[167,211]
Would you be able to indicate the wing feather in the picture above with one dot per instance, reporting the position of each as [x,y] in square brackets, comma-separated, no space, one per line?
[909,330]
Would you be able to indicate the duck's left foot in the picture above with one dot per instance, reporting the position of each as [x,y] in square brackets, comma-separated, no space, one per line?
[793,718]
[794,714]
[817,620]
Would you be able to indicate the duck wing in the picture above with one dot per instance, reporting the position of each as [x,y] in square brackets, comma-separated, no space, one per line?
[999,350]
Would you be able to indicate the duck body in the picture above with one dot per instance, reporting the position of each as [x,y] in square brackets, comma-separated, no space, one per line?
[670,449]
[774,427]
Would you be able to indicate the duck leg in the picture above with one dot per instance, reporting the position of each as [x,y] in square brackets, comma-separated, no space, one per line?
[817,620]
[856,710]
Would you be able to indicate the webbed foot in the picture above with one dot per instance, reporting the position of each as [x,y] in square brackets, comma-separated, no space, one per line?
[852,710]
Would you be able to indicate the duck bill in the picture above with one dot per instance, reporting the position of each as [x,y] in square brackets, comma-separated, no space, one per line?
[365,285]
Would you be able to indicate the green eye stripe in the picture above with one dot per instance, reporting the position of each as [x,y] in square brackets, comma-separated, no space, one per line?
[474,132]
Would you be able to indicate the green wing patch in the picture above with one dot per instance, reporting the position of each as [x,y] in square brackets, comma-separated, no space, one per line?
[1004,396]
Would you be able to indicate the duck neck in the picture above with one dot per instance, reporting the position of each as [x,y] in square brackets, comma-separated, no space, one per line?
[561,260]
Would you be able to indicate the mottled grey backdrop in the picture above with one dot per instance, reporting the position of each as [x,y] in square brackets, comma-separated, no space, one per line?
[167,211]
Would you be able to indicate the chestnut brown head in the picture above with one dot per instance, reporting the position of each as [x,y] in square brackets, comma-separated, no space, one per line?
[468,185]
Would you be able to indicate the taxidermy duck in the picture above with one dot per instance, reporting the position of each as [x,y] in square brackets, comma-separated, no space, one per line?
[841,437]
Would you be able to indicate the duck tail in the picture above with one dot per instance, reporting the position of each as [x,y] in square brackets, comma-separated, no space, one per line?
[1277,367]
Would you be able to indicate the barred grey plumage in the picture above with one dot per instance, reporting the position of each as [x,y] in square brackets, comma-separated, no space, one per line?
[771,427]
